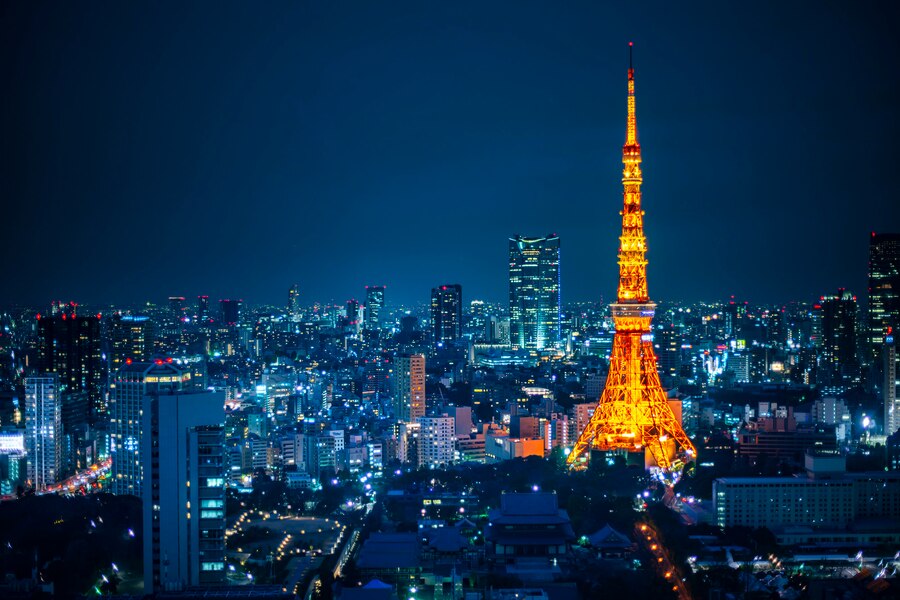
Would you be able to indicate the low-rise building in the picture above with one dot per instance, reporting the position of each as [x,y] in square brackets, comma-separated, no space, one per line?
[826,503]
[529,535]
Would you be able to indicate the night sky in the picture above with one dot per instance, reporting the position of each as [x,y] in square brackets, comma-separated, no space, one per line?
[152,149]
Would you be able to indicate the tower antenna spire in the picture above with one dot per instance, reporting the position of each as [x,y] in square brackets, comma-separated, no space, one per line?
[630,56]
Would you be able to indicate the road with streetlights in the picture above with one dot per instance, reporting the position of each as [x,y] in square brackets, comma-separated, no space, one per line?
[649,537]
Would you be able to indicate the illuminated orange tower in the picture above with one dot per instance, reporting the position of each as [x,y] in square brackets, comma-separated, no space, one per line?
[633,413]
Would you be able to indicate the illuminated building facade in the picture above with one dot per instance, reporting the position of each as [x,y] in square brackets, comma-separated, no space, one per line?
[437,441]
[446,313]
[633,414]
[203,308]
[293,304]
[839,330]
[130,389]
[374,306]
[534,292]
[43,430]
[409,387]
[131,337]
[889,388]
[884,289]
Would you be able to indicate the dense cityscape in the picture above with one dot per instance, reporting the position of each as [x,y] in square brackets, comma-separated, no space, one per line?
[459,447]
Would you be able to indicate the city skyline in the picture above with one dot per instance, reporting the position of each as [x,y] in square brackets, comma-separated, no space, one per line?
[222,374]
[240,148]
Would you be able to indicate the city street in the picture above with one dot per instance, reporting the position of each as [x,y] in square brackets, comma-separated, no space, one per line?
[665,569]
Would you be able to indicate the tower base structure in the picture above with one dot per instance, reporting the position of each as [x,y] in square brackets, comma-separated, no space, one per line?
[634,413]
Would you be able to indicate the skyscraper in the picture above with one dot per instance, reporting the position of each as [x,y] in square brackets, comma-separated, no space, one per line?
[69,346]
[130,388]
[534,292]
[839,330]
[176,307]
[884,291]
[668,350]
[202,308]
[43,430]
[374,306]
[230,311]
[293,304]
[446,313]
[409,387]
[131,337]
[184,494]
[889,387]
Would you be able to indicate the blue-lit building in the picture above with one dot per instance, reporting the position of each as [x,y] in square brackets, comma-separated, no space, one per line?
[534,292]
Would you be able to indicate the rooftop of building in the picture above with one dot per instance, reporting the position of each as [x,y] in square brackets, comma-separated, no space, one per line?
[805,480]
[389,551]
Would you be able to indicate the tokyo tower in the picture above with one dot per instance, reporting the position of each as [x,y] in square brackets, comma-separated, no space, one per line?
[633,414]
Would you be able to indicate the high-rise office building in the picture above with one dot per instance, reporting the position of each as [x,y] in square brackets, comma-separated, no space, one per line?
[177,307]
[374,306]
[352,311]
[446,313]
[409,387]
[131,337]
[667,342]
[130,387]
[534,292]
[889,388]
[839,325]
[230,311]
[43,430]
[203,308]
[183,456]
[293,304]
[477,322]
[884,291]
[69,346]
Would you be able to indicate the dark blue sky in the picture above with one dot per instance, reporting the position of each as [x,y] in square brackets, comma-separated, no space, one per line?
[151,149]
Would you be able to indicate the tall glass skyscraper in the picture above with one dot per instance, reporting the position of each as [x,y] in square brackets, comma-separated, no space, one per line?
[534,292]
[446,313]
[839,331]
[374,306]
[884,291]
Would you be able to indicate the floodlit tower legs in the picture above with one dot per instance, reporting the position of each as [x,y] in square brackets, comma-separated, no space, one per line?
[633,413]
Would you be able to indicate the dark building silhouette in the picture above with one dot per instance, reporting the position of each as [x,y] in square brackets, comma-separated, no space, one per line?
[446,313]
[230,311]
[839,331]
[70,347]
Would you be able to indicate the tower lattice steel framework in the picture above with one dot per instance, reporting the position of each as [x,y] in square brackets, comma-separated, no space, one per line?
[633,413]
